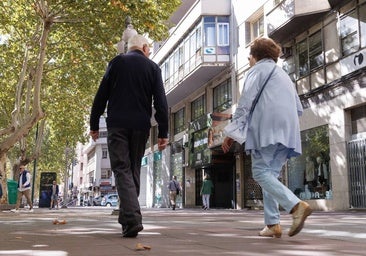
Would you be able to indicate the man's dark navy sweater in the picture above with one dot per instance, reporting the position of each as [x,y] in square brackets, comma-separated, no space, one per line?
[130,86]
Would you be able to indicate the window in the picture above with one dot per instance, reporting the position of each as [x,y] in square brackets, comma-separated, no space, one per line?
[310,54]
[104,153]
[349,33]
[289,66]
[358,120]
[258,28]
[222,98]
[254,28]
[177,60]
[363,24]
[210,31]
[216,35]
[187,54]
[180,56]
[302,58]
[106,174]
[198,38]
[179,121]
[316,57]
[198,108]
[165,71]
[223,34]
[171,68]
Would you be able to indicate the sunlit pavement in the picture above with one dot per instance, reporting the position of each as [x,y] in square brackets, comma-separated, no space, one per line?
[95,231]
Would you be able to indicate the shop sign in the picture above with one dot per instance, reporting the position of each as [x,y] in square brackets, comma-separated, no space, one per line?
[353,62]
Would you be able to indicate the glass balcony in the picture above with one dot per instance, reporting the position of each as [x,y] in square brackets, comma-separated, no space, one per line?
[291,17]
[197,50]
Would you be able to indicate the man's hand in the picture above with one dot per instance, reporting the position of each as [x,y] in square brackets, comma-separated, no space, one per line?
[162,143]
[226,145]
[94,135]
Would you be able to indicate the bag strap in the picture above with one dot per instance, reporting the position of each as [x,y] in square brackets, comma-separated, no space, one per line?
[259,93]
[175,184]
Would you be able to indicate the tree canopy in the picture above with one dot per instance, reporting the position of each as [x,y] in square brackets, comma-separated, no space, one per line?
[53,54]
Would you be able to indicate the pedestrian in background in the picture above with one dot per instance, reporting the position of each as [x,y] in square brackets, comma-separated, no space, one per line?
[174,190]
[131,85]
[273,134]
[54,190]
[24,188]
[206,191]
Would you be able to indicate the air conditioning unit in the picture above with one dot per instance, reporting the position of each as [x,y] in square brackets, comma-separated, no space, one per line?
[286,52]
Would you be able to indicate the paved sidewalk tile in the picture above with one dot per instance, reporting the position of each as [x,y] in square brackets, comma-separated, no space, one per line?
[186,232]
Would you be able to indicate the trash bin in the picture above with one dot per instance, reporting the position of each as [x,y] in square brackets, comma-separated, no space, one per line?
[12,191]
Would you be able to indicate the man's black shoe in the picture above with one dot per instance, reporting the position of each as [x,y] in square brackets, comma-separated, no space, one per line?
[132,231]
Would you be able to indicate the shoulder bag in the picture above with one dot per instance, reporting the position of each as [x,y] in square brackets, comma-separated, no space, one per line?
[238,128]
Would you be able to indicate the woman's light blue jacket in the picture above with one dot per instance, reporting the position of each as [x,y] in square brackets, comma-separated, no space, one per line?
[275,118]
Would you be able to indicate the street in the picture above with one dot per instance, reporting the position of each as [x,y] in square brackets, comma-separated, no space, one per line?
[95,231]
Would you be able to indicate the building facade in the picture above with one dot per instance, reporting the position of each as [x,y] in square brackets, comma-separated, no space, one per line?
[92,175]
[204,63]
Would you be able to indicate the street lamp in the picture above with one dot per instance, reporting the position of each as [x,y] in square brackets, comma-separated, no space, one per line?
[127,34]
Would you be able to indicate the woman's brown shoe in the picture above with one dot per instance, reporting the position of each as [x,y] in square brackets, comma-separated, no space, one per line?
[299,214]
[273,231]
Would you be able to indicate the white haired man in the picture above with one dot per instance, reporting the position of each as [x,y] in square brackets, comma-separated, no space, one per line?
[131,85]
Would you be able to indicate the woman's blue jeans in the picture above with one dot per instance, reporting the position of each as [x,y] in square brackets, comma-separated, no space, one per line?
[266,167]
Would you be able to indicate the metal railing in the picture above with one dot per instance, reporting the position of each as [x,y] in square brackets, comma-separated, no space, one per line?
[357,172]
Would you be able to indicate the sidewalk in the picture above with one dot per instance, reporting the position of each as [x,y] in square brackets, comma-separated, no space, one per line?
[95,231]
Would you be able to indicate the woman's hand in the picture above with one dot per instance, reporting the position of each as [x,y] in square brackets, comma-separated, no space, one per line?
[226,145]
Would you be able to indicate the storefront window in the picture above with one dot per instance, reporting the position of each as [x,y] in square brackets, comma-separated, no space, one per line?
[158,180]
[176,160]
[309,175]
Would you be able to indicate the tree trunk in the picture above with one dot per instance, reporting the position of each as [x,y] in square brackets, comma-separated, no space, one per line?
[24,126]
[4,185]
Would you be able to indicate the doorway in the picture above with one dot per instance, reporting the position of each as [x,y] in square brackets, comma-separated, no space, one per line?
[222,176]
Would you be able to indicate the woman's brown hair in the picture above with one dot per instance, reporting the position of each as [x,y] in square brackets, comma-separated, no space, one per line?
[265,48]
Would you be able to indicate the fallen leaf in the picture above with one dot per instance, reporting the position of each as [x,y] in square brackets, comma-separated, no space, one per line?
[142,247]
[56,222]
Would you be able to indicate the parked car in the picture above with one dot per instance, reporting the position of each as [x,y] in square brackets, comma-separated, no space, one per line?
[110,200]
[97,201]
